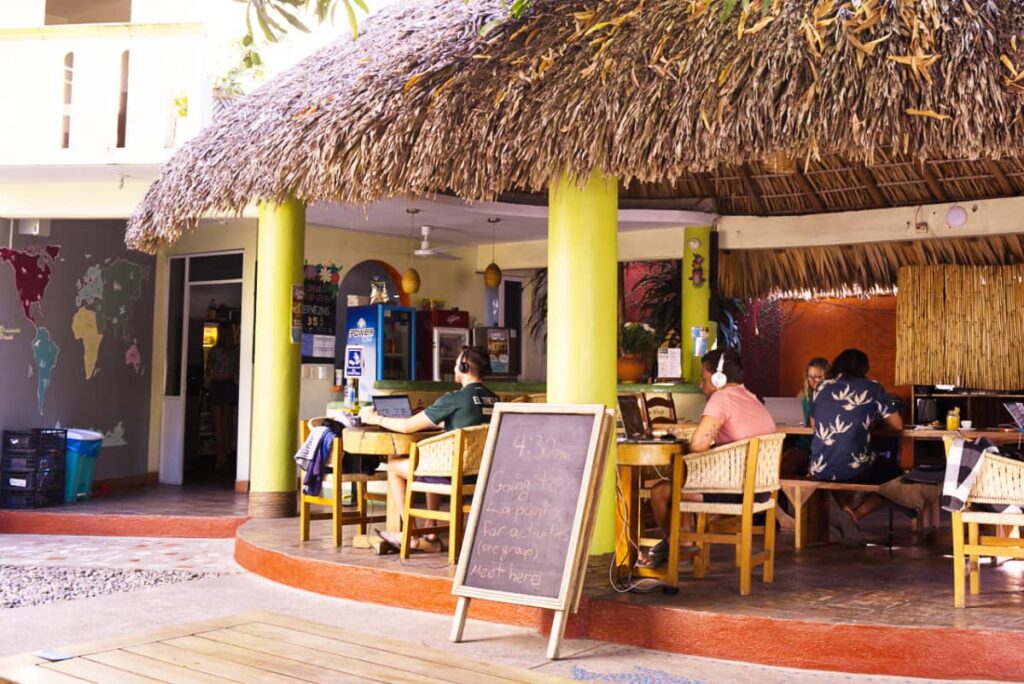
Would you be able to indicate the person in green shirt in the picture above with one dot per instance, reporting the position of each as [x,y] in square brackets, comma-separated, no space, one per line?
[471,405]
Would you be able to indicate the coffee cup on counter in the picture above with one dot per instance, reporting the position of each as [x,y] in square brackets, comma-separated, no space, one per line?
[966,424]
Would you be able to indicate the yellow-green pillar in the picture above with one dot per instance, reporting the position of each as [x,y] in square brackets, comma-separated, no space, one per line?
[582,313]
[276,366]
[696,296]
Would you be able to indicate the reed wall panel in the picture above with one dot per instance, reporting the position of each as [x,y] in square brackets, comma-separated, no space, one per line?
[960,325]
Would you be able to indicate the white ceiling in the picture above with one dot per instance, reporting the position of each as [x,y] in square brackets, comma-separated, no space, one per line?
[453,221]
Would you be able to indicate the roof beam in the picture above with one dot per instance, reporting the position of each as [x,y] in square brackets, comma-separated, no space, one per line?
[751,186]
[867,179]
[934,186]
[997,172]
[809,192]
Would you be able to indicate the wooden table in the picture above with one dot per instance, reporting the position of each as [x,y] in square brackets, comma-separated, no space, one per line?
[371,440]
[908,437]
[630,457]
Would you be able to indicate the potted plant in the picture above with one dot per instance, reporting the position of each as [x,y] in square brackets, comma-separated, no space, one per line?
[636,342]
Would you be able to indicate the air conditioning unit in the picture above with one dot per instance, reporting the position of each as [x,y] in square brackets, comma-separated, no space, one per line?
[35,227]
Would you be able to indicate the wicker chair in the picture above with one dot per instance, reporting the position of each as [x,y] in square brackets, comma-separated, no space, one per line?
[331,495]
[455,454]
[660,408]
[748,467]
[1001,481]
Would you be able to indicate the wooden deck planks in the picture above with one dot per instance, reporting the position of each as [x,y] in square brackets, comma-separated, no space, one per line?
[225,670]
[259,648]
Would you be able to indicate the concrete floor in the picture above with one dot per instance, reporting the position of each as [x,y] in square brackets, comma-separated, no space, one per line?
[52,625]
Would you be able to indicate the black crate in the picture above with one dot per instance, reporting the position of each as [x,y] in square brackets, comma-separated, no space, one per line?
[23,499]
[33,440]
[31,480]
[49,459]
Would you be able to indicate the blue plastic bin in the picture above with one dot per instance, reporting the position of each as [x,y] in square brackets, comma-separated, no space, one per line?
[83,450]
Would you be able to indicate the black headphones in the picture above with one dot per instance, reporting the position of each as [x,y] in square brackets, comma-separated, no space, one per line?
[464,365]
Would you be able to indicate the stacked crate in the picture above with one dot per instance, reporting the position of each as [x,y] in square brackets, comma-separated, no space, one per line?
[32,468]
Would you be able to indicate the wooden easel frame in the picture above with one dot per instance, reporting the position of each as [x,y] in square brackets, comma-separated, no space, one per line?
[571,588]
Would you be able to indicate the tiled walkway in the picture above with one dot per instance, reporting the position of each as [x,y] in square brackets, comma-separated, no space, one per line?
[200,500]
[206,555]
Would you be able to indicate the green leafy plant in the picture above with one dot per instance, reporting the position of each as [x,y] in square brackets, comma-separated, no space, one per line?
[637,338]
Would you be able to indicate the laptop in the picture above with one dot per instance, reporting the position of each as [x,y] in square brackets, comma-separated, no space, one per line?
[785,410]
[633,417]
[1016,411]
[393,406]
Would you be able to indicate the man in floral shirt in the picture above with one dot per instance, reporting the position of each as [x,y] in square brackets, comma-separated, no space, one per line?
[845,407]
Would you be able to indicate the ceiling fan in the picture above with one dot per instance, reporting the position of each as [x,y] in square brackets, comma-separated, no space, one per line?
[425,250]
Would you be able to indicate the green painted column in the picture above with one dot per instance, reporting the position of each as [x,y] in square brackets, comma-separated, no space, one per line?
[276,367]
[582,313]
[696,295]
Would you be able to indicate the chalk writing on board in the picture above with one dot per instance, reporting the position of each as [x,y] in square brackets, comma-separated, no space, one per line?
[529,503]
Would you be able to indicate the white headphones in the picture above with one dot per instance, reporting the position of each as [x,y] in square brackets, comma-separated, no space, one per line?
[718,379]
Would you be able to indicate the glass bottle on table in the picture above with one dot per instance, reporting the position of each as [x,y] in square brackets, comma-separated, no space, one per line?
[953,419]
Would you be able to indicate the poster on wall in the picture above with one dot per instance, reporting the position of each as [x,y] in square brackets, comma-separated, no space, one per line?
[319,307]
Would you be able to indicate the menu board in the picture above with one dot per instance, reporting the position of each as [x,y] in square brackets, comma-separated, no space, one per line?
[319,313]
[531,518]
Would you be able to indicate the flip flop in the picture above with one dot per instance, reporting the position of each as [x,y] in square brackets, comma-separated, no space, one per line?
[415,544]
[656,557]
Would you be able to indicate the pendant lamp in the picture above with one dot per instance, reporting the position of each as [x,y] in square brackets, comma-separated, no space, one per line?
[411,277]
[492,274]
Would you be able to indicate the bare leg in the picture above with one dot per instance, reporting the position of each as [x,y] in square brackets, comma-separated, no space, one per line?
[872,503]
[661,495]
[398,476]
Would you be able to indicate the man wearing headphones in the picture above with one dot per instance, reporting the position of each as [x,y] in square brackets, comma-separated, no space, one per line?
[732,413]
[471,405]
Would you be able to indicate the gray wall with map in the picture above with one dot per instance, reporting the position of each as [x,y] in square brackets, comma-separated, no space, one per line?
[76,338]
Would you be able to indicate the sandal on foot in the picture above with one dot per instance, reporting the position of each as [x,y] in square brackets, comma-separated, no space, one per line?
[415,543]
[656,557]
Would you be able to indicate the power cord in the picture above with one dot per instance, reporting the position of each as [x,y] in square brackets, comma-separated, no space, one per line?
[642,583]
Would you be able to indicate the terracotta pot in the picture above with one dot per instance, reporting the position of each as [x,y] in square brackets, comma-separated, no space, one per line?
[631,367]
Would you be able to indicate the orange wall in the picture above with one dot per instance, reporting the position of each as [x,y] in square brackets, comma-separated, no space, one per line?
[826,327]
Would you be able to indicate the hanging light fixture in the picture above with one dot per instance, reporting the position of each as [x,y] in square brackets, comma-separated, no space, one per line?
[411,277]
[492,274]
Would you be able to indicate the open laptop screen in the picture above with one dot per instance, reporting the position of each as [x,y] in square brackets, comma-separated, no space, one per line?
[393,406]
[785,410]
[632,416]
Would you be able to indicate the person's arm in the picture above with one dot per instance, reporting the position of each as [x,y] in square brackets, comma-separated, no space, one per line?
[416,423]
[704,436]
[894,420]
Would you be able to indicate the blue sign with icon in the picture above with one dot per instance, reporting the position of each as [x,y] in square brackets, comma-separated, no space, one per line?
[353,362]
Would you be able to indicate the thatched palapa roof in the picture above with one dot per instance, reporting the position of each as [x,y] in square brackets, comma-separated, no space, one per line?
[853,270]
[805,107]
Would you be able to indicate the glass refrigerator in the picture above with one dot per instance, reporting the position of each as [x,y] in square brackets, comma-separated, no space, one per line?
[446,347]
[379,345]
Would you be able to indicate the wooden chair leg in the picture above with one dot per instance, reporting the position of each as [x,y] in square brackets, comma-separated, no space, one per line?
[360,488]
[337,510]
[972,532]
[406,522]
[455,523]
[958,560]
[303,516]
[768,571]
[702,561]
[746,542]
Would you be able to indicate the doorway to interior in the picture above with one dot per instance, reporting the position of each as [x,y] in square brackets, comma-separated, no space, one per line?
[199,437]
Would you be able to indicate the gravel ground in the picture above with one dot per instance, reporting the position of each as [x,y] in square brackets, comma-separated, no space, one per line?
[34,585]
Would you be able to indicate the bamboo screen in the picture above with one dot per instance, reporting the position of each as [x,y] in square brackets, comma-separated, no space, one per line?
[961,325]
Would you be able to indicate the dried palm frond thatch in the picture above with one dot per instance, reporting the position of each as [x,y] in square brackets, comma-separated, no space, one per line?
[650,91]
[960,325]
[852,270]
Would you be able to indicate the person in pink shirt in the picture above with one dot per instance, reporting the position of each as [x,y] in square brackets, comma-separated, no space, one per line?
[732,413]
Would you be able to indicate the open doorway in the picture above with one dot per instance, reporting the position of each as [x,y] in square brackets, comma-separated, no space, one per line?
[199,440]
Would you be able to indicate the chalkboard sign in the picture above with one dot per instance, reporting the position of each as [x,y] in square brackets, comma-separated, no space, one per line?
[528,529]
[319,306]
